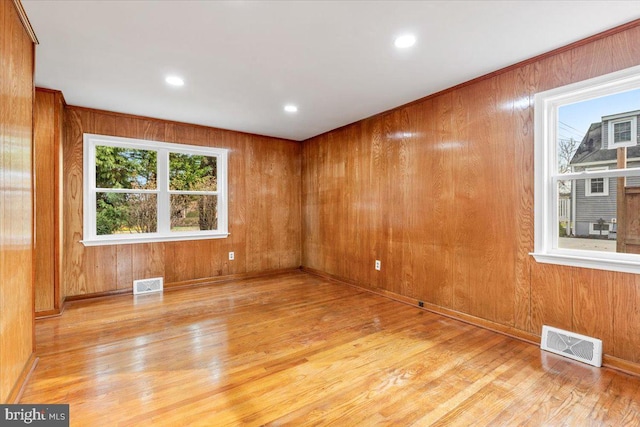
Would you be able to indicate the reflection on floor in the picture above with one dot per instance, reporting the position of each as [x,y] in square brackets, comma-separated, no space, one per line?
[296,349]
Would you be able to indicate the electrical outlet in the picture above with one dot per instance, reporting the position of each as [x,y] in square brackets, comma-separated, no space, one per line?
[378,264]
[232,256]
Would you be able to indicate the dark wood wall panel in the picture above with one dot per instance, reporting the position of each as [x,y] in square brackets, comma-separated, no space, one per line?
[264,209]
[522,133]
[44,158]
[47,140]
[16,199]
[441,191]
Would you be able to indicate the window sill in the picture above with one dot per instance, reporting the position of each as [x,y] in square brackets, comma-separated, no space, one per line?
[623,144]
[585,261]
[126,240]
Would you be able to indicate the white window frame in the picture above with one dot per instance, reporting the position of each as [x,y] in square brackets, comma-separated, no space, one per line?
[547,104]
[634,133]
[587,184]
[164,233]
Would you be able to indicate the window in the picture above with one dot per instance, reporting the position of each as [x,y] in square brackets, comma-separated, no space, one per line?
[623,132]
[141,191]
[596,186]
[572,161]
[599,228]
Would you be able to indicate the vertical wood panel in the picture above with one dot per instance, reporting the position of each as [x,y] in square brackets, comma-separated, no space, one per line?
[551,297]
[124,258]
[460,211]
[44,161]
[423,185]
[593,304]
[73,280]
[378,206]
[442,159]
[59,201]
[625,49]
[593,59]
[16,199]
[626,317]
[523,137]
[47,143]
[237,203]
[450,209]
[148,260]
[392,197]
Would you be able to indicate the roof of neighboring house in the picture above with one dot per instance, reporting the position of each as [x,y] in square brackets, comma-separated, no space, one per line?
[590,149]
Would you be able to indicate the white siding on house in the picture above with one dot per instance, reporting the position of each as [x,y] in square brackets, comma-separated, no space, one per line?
[589,209]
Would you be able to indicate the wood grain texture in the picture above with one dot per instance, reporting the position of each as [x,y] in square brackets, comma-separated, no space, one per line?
[589,318]
[551,296]
[16,200]
[264,209]
[626,318]
[441,191]
[47,162]
[44,159]
[630,230]
[523,186]
[296,349]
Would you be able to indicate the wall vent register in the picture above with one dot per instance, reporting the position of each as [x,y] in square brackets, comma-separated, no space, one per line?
[574,346]
[148,286]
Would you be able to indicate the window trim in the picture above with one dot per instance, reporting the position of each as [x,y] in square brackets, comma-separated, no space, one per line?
[587,184]
[91,238]
[546,225]
[634,134]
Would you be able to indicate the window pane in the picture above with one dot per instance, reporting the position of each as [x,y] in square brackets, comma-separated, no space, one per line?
[594,223]
[622,132]
[125,168]
[132,213]
[194,212]
[189,172]
[597,185]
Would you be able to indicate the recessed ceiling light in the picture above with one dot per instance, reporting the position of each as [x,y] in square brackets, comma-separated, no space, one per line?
[405,41]
[174,81]
[290,108]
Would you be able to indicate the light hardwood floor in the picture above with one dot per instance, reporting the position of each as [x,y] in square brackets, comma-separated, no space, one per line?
[296,349]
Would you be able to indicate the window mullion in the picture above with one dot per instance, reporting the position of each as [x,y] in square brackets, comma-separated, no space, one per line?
[90,225]
[125,191]
[164,207]
[599,173]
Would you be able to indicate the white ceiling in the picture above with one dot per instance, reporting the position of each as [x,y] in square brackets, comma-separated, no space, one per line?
[242,61]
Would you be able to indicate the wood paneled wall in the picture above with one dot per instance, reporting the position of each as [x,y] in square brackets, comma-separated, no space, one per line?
[47,142]
[16,203]
[264,209]
[441,191]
